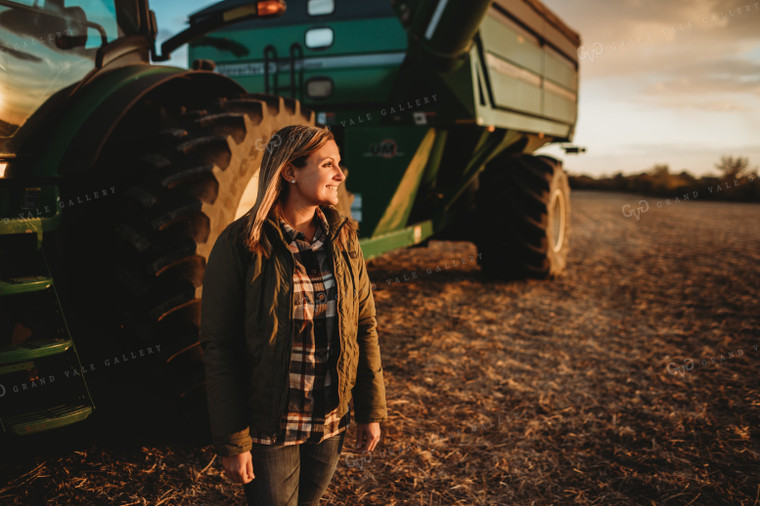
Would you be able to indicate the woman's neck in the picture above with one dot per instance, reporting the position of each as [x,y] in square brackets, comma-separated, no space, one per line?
[300,218]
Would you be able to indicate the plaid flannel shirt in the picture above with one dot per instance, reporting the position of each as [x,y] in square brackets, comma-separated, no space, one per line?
[312,413]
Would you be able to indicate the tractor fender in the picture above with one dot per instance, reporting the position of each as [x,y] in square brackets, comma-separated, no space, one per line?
[85,125]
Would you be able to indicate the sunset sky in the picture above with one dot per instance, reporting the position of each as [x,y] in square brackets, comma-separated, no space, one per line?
[685,95]
[662,81]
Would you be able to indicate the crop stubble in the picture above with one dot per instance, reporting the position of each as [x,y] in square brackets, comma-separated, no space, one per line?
[577,390]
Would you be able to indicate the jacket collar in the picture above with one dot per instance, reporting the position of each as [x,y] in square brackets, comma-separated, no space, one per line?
[333,216]
[320,233]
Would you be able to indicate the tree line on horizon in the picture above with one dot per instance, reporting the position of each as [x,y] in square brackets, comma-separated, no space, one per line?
[736,182]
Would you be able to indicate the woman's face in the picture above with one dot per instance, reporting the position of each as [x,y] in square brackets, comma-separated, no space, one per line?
[317,182]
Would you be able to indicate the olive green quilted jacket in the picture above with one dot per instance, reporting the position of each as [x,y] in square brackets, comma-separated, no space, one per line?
[247,327]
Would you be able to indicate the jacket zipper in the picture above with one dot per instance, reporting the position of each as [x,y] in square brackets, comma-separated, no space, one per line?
[283,409]
[340,322]
[290,344]
[341,345]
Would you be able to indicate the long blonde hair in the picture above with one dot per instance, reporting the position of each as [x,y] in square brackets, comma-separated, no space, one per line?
[291,144]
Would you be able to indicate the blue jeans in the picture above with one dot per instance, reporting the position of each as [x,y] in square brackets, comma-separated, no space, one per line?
[294,474]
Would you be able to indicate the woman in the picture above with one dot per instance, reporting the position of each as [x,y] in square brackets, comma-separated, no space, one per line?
[288,328]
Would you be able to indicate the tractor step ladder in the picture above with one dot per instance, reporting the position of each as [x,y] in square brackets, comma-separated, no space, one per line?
[24,357]
[271,61]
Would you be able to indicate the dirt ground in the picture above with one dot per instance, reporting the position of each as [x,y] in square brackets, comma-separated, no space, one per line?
[632,379]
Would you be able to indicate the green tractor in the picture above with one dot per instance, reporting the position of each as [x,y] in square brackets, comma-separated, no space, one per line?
[117,175]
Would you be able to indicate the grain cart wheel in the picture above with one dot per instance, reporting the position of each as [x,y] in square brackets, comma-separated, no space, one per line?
[523,217]
[202,176]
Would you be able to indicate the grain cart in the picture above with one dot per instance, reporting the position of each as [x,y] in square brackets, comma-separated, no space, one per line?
[438,106]
[116,177]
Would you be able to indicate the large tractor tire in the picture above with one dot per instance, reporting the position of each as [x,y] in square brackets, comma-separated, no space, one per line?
[198,174]
[204,177]
[523,217]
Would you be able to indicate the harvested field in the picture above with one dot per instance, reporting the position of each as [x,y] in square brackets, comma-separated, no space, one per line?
[632,379]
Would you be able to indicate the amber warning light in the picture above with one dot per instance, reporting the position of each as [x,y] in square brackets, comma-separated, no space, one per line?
[264,9]
[271,8]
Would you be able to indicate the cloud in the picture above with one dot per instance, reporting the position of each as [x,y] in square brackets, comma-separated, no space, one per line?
[639,37]
[708,78]
[674,54]
[620,20]
[710,105]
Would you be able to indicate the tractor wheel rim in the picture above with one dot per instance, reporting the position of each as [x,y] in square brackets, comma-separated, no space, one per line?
[557,217]
[248,199]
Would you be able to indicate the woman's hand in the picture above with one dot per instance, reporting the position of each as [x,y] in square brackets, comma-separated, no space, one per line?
[239,468]
[367,436]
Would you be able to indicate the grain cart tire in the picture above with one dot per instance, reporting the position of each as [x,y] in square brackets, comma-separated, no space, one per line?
[202,176]
[523,218]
